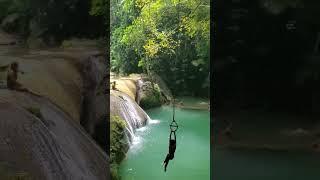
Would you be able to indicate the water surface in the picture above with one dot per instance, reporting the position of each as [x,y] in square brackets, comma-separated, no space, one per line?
[264,165]
[192,157]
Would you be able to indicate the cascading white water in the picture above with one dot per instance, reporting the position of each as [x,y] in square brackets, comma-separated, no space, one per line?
[130,111]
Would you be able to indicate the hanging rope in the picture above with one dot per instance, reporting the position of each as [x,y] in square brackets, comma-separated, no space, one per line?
[172,139]
[173,125]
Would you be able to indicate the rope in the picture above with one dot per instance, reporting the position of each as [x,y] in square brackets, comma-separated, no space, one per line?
[174,125]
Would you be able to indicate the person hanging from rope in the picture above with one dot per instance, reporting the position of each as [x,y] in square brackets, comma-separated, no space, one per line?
[172,139]
[12,78]
[172,149]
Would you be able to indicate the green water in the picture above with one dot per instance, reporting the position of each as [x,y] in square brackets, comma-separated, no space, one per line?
[192,157]
[264,165]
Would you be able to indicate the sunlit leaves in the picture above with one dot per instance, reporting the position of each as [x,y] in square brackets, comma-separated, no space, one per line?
[151,47]
[141,63]
[163,36]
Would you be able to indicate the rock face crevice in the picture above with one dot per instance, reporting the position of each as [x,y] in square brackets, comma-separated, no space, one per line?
[94,106]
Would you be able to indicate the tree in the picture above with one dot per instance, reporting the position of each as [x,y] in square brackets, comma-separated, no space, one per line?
[152,35]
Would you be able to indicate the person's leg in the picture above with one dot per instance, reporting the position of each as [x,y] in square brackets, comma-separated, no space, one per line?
[167,158]
[166,161]
[165,165]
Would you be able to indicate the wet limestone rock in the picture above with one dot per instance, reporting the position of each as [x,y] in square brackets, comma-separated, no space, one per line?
[125,107]
[126,85]
[94,95]
[50,146]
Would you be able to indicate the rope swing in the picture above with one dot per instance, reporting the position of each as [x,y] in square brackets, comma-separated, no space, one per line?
[172,138]
[173,126]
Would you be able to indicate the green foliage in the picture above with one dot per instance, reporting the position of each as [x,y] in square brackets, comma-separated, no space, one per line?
[4,4]
[47,18]
[124,57]
[170,38]
[114,171]
[118,146]
[117,135]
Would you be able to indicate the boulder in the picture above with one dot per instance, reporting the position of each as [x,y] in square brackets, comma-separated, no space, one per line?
[149,95]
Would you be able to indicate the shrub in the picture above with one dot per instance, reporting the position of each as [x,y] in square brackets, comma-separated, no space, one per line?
[114,171]
[117,135]
[118,144]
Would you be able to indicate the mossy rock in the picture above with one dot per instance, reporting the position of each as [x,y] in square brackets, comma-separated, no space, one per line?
[150,96]
[118,142]
[114,172]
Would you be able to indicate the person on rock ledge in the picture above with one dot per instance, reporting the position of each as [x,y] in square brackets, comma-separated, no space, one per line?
[113,85]
[12,79]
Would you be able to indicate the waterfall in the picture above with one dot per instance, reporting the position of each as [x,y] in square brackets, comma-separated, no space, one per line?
[125,107]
